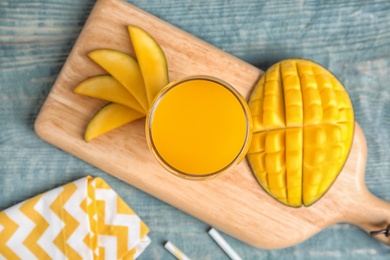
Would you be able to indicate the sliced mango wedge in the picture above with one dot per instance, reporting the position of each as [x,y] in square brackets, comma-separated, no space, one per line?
[131,86]
[105,87]
[110,117]
[151,59]
[125,69]
[303,130]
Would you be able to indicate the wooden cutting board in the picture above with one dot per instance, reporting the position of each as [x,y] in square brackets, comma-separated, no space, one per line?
[234,202]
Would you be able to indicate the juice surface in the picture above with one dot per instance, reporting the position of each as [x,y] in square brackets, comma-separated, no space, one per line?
[199,127]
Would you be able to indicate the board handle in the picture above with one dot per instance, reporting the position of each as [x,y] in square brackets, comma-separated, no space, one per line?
[373,216]
[365,210]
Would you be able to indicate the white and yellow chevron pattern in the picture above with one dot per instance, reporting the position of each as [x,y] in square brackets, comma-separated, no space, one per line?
[84,219]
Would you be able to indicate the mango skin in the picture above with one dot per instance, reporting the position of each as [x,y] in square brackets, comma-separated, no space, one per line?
[303,123]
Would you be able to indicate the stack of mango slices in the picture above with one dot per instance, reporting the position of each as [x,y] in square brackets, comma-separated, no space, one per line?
[130,85]
[303,129]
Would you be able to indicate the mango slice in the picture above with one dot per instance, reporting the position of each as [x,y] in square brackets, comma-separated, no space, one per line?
[151,59]
[107,88]
[110,117]
[124,69]
[125,86]
[303,130]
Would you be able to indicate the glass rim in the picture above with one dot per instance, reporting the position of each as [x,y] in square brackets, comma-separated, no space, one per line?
[149,123]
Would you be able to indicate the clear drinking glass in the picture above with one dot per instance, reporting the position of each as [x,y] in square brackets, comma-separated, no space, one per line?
[199,127]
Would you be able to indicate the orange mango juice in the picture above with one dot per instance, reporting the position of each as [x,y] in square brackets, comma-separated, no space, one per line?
[199,127]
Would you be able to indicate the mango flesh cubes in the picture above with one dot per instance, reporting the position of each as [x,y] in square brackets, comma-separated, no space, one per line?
[303,124]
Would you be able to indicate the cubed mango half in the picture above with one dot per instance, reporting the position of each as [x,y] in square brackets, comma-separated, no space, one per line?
[303,122]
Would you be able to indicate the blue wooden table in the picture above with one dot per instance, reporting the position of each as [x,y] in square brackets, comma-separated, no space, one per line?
[351,38]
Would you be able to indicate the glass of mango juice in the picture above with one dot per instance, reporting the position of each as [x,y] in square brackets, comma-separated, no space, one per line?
[199,127]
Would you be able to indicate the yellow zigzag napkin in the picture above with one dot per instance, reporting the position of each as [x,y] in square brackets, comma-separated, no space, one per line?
[84,219]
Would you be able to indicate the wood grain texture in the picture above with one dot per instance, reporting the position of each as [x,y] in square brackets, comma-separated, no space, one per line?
[124,153]
[351,38]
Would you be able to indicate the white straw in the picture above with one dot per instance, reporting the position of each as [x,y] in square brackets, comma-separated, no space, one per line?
[224,245]
[175,251]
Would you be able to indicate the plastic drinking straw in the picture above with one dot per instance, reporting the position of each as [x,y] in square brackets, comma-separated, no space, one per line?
[175,251]
[224,245]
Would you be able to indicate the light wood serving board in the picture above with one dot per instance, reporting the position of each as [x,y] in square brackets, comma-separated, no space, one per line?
[234,202]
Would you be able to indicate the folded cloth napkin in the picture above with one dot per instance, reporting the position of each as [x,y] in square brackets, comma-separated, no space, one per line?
[84,219]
